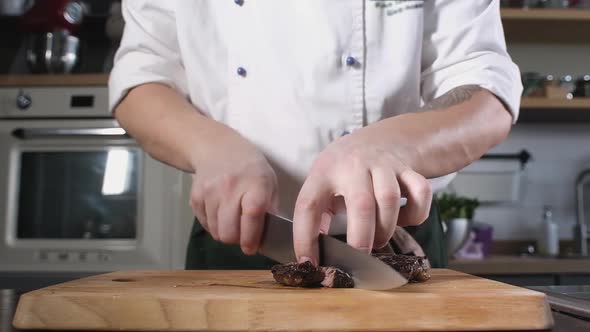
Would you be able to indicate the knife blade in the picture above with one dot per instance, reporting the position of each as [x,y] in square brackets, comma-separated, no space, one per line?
[367,272]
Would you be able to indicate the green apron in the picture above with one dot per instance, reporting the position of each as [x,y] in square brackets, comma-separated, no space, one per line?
[204,253]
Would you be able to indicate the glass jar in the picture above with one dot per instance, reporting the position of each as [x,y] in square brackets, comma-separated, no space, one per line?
[583,87]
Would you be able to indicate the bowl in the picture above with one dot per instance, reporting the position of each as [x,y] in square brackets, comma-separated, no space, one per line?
[457,233]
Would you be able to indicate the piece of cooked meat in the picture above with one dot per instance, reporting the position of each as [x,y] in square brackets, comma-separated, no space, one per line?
[414,268]
[336,278]
[298,275]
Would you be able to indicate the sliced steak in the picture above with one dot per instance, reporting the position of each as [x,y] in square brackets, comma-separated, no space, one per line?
[414,268]
[336,278]
[298,275]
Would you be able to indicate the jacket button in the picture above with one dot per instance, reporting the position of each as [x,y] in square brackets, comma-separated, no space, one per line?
[350,61]
[239,2]
[241,71]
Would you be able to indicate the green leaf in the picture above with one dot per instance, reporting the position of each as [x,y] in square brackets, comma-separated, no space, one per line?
[452,206]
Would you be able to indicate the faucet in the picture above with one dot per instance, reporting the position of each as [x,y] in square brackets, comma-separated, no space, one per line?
[581,228]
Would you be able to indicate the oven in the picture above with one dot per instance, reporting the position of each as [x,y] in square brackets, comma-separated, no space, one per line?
[77,193]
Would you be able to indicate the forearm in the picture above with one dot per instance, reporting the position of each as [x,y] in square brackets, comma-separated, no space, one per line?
[168,127]
[451,132]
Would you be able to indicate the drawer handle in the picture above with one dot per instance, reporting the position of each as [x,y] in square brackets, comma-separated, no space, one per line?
[33,133]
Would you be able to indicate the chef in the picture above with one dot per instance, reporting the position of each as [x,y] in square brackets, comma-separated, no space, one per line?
[323,111]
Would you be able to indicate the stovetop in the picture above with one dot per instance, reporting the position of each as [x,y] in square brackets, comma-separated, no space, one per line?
[574,300]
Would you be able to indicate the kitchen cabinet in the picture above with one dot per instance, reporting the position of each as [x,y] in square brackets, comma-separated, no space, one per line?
[546,103]
[549,26]
[574,279]
[564,26]
[36,280]
[537,109]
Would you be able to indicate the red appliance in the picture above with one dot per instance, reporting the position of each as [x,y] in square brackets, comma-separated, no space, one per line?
[51,15]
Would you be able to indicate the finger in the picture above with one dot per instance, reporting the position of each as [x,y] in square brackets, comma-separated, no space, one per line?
[198,207]
[360,209]
[229,221]
[312,202]
[211,208]
[419,193]
[275,203]
[387,197]
[255,203]
[325,223]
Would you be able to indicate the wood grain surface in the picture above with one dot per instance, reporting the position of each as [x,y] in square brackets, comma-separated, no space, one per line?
[545,14]
[251,300]
[54,80]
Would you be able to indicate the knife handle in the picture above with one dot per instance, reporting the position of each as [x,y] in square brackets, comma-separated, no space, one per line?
[403,202]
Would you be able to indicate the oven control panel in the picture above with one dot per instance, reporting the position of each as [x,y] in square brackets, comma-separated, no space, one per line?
[56,256]
[23,101]
[54,102]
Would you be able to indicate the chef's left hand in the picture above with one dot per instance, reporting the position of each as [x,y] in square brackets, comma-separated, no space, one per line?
[370,177]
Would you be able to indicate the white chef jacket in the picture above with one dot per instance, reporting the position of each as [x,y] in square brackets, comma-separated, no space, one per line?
[294,75]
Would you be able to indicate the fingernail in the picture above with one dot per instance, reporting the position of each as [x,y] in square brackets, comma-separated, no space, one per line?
[364,249]
[379,245]
[248,251]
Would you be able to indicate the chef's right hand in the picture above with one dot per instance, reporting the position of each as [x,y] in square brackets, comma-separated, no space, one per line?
[232,191]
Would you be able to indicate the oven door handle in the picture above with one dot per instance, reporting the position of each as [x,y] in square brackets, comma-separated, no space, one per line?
[35,133]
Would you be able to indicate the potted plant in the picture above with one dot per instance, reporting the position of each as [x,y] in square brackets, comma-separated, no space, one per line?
[452,206]
[457,215]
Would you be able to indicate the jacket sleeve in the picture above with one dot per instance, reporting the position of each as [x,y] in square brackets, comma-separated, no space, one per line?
[149,51]
[464,44]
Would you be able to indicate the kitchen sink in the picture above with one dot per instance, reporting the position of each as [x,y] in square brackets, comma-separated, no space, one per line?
[569,299]
[573,256]
[576,291]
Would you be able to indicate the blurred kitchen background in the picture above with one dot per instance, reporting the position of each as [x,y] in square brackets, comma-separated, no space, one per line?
[79,197]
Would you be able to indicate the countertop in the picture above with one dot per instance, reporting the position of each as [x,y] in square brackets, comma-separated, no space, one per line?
[54,80]
[9,299]
[496,265]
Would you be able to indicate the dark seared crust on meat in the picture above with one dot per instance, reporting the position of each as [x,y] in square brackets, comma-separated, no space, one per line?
[414,268]
[298,275]
[336,278]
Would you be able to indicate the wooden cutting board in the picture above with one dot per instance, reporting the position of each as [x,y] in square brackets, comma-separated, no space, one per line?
[251,300]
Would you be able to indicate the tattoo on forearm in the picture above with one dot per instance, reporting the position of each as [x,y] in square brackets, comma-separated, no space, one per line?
[453,97]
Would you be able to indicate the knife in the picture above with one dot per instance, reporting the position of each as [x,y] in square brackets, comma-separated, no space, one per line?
[367,271]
